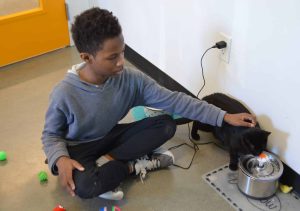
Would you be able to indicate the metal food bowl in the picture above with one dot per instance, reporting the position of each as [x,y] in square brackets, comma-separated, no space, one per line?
[258,175]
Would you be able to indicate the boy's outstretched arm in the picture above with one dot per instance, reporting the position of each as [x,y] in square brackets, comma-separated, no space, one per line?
[179,103]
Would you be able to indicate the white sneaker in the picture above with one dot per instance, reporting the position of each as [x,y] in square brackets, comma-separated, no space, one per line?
[112,195]
[165,157]
[159,159]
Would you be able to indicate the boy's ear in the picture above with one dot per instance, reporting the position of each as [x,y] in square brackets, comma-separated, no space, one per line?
[85,57]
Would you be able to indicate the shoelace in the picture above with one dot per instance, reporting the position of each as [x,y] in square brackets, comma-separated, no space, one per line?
[144,164]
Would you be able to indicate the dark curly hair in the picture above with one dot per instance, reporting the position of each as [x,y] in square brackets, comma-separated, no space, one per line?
[92,27]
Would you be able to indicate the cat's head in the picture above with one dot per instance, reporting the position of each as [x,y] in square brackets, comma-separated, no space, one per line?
[253,141]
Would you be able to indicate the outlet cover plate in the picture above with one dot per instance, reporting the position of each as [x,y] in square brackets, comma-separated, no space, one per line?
[225,52]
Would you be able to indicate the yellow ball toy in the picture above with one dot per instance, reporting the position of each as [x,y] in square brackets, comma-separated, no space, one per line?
[285,188]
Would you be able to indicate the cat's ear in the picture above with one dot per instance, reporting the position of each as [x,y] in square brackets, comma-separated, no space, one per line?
[265,133]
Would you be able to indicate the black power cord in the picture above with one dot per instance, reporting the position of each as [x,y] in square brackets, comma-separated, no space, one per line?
[219,45]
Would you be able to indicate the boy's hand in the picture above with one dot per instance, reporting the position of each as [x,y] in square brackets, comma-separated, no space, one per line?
[65,167]
[241,119]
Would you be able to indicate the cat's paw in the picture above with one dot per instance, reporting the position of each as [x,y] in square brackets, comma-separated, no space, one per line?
[232,177]
[233,167]
[195,136]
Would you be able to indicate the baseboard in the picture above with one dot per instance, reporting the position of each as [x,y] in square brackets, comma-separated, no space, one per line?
[289,177]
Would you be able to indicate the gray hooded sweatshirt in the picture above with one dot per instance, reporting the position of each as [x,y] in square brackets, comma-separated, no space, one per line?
[80,112]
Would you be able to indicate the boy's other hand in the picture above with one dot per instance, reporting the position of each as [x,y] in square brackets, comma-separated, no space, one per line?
[241,119]
[65,167]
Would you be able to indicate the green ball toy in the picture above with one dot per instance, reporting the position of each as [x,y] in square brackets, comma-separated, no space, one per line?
[43,177]
[2,155]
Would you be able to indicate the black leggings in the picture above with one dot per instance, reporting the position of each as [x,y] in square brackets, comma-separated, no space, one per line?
[125,142]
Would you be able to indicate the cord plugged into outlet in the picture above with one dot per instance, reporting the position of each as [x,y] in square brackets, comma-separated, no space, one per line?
[224,45]
[220,45]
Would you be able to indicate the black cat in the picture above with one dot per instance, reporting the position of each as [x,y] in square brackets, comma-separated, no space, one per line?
[238,140]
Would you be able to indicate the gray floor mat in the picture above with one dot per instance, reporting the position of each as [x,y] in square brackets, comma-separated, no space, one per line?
[224,181]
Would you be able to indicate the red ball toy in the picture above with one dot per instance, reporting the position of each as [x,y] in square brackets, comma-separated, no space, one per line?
[59,208]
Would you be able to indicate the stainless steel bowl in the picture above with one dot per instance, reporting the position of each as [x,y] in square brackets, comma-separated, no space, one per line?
[258,176]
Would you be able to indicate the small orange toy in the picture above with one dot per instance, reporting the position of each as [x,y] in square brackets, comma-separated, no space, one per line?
[59,208]
[262,156]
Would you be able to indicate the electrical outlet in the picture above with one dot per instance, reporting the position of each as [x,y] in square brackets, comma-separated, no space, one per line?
[225,52]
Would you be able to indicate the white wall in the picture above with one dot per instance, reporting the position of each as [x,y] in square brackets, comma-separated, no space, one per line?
[263,70]
[75,7]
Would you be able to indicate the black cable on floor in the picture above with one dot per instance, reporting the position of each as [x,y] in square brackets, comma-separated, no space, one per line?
[195,146]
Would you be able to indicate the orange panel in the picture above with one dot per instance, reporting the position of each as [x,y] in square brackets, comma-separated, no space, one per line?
[33,32]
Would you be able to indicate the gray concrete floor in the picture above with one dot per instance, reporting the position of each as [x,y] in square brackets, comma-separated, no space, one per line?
[24,91]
